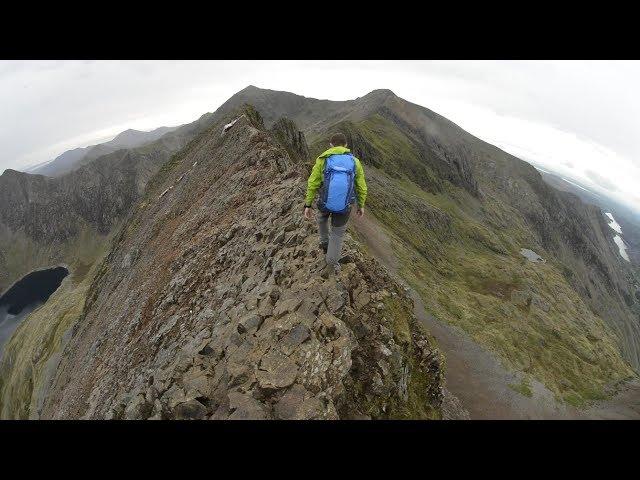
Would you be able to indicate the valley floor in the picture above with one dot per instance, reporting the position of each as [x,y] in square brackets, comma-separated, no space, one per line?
[485,388]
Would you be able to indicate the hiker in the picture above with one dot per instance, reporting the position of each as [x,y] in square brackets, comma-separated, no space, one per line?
[340,178]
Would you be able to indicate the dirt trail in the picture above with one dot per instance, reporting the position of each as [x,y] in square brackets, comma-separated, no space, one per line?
[475,376]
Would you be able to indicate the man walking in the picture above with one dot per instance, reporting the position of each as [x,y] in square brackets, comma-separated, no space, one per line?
[340,178]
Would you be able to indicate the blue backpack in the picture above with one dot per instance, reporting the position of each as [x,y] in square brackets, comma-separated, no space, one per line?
[337,186]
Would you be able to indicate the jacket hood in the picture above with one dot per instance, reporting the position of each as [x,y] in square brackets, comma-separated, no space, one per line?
[334,151]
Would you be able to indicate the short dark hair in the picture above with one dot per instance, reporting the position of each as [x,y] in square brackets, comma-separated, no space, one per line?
[338,139]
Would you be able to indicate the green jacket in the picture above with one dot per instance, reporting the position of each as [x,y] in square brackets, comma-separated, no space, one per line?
[317,174]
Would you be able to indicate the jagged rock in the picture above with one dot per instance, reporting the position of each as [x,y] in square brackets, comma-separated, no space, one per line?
[191,410]
[196,382]
[287,133]
[279,238]
[130,258]
[297,335]
[276,371]
[139,408]
[286,306]
[173,396]
[245,407]
[250,323]
[298,404]
[362,298]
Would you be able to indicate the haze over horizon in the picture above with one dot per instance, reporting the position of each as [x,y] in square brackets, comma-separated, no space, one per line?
[577,119]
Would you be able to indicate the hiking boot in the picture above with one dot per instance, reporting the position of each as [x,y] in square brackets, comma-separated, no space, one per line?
[324,247]
[330,270]
[345,259]
[326,271]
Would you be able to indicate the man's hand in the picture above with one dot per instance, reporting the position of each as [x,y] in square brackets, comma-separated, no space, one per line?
[307,213]
[360,211]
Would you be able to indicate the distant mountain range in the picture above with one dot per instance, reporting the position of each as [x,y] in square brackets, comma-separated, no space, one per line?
[75,158]
[628,218]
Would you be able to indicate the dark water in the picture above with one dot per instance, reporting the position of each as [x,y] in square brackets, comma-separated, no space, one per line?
[26,295]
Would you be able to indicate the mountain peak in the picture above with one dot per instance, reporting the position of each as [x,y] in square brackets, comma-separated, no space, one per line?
[250,89]
[10,172]
[126,133]
[381,92]
[374,99]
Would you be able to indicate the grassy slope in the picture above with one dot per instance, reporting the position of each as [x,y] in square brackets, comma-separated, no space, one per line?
[24,365]
[23,255]
[469,272]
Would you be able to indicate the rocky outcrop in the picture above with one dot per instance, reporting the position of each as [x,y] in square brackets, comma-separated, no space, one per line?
[53,210]
[211,305]
[441,190]
[287,133]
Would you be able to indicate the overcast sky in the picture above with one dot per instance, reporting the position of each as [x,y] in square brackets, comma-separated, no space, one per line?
[580,119]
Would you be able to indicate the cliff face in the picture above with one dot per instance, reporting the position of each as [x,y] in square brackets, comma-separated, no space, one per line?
[211,305]
[53,220]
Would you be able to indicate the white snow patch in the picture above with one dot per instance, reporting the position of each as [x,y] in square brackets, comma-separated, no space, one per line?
[613,224]
[622,247]
[229,125]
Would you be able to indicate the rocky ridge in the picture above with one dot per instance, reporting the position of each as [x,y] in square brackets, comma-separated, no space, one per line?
[211,305]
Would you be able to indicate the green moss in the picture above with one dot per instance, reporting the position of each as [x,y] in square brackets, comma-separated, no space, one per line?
[421,383]
[523,388]
[417,406]
[574,399]
[400,320]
